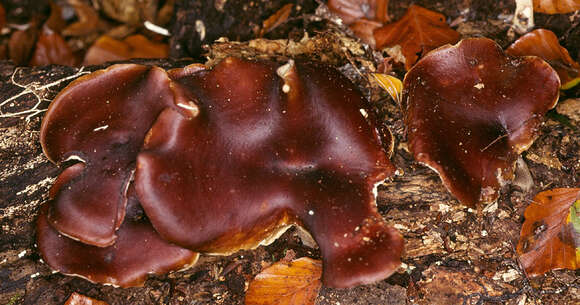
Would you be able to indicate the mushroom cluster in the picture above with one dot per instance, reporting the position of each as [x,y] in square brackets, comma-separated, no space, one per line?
[161,165]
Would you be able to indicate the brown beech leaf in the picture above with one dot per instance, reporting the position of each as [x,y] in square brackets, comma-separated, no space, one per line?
[165,13]
[55,21]
[352,10]
[79,299]
[364,28]
[418,32]
[550,237]
[88,20]
[21,44]
[544,43]
[52,49]
[135,46]
[132,12]
[556,6]
[276,19]
[286,283]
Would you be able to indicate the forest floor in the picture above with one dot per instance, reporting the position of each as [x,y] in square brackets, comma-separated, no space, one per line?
[453,254]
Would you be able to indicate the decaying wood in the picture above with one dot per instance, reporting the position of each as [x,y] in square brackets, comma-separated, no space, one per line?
[453,254]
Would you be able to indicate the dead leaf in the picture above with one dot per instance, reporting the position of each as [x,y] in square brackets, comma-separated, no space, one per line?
[52,49]
[165,13]
[550,237]
[364,30]
[418,32]
[544,43]
[556,6]
[133,12]
[88,20]
[276,19]
[286,283]
[55,21]
[79,299]
[21,45]
[352,10]
[391,84]
[135,46]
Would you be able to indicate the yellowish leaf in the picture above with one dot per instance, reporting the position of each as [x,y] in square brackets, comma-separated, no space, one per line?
[286,283]
[391,84]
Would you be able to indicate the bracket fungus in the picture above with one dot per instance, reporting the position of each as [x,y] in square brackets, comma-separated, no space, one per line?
[470,110]
[220,160]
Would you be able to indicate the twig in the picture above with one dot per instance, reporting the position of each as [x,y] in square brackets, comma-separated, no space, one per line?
[37,91]
[493,142]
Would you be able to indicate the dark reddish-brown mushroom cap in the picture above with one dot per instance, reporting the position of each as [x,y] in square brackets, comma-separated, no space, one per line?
[137,252]
[270,147]
[101,120]
[470,110]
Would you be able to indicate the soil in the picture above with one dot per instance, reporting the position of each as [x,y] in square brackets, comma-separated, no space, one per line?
[453,254]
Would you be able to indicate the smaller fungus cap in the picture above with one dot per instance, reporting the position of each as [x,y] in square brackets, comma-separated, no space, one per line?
[470,110]
[138,250]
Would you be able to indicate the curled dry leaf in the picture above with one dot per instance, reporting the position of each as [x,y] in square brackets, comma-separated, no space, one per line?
[470,110]
[556,6]
[165,13]
[21,45]
[362,16]
[276,19]
[52,49]
[222,160]
[364,30]
[391,84]
[79,299]
[550,237]
[418,32]
[132,12]
[352,10]
[88,20]
[286,283]
[55,22]
[544,43]
[135,46]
